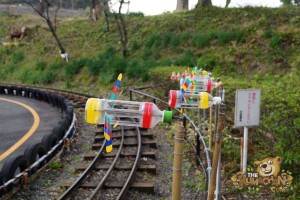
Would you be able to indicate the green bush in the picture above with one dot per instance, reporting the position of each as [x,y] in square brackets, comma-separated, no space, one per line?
[46,77]
[74,67]
[275,41]
[93,67]
[207,62]
[135,45]
[146,54]
[140,69]
[110,52]
[186,59]
[152,39]
[56,65]
[268,33]
[225,37]
[201,40]
[17,57]
[165,39]
[24,75]
[40,65]
[174,40]
[136,14]
[7,51]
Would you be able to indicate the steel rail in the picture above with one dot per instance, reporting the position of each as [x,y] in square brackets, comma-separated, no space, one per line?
[108,172]
[76,184]
[134,168]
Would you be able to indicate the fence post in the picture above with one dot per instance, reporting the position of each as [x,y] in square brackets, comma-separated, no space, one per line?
[177,162]
[130,95]
[216,153]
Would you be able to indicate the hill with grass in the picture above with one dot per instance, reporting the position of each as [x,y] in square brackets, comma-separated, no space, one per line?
[246,47]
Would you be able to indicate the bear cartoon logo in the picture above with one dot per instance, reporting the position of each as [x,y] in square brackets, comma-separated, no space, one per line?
[268,166]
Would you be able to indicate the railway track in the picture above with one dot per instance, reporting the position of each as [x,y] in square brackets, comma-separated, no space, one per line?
[109,176]
[102,175]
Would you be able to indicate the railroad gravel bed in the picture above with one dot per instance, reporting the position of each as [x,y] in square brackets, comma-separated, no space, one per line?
[49,182]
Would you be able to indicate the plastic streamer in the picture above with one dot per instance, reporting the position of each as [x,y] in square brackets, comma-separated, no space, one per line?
[108,121]
[116,87]
[107,134]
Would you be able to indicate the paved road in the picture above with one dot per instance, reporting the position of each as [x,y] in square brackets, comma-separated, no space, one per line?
[23,121]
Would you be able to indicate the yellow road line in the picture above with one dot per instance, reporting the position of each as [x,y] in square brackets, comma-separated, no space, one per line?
[35,125]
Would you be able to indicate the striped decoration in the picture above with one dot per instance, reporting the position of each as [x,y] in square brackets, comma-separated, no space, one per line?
[107,134]
[115,89]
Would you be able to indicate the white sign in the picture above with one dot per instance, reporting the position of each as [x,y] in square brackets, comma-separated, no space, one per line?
[247,108]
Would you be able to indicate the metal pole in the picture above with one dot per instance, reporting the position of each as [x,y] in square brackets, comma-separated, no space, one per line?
[245,150]
[177,163]
[218,184]
[210,129]
[198,138]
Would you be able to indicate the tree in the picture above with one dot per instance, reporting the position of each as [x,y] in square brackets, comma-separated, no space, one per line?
[41,7]
[203,3]
[227,3]
[290,2]
[182,5]
[98,8]
[122,27]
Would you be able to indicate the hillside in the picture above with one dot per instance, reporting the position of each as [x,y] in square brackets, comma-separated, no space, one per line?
[245,47]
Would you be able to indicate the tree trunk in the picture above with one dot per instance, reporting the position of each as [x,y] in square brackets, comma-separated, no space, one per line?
[227,3]
[182,5]
[72,4]
[122,28]
[203,3]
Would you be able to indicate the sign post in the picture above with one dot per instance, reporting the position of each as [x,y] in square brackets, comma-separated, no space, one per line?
[247,113]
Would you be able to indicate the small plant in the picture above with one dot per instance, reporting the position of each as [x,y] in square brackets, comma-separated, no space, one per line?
[55,165]
[17,57]
[40,65]
[201,40]
[152,39]
[207,62]
[275,41]
[135,46]
[174,40]
[136,14]
[225,37]
[47,77]
[165,39]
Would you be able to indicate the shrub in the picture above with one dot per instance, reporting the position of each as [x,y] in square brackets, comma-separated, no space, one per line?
[174,40]
[225,37]
[93,66]
[146,54]
[268,33]
[17,57]
[47,77]
[275,41]
[152,39]
[40,65]
[201,40]
[165,39]
[136,14]
[73,67]
[24,75]
[109,53]
[135,46]
[186,59]
[207,62]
